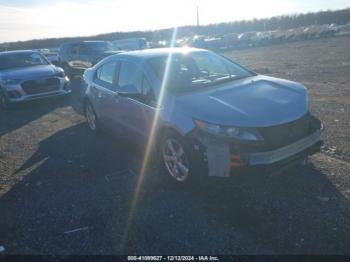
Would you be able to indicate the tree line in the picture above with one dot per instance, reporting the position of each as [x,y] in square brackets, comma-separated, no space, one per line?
[338,17]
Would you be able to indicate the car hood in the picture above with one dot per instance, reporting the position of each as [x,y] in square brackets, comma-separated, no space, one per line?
[252,102]
[30,72]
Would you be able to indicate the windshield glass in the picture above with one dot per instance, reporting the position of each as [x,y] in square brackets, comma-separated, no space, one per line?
[17,60]
[195,70]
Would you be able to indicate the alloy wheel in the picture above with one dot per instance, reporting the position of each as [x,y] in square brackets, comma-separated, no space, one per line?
[175,160]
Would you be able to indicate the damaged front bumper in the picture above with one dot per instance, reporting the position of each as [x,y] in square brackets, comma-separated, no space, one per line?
[270,157]
[224,157]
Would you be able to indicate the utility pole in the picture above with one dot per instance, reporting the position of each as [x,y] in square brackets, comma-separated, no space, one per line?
[197,16]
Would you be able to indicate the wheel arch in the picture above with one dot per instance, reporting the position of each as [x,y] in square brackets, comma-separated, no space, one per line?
[168,129]
[165,129]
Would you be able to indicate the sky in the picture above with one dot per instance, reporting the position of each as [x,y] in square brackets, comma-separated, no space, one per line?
[34,19]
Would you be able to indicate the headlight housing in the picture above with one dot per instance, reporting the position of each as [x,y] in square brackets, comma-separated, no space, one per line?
[246,134]
[60,73]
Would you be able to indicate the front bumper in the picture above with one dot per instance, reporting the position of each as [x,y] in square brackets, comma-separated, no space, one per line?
[270,157]
[17,94]
[225,158]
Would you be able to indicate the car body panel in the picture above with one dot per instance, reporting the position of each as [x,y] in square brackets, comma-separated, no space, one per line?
[135,118]
[252,102]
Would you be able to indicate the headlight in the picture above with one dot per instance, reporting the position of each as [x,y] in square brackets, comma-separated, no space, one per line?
[249,134]
[61,73]
[10,81]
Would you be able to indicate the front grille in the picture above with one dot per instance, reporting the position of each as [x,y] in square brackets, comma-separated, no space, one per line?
[32,87]
[282,135]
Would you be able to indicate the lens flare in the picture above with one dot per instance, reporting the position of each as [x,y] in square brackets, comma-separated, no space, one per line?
[149,146]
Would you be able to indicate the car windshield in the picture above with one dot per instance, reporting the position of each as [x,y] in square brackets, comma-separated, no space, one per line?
[98,46]
[18,60]
[195,70]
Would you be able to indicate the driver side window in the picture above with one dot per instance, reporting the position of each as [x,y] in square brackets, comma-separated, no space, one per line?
[131,75]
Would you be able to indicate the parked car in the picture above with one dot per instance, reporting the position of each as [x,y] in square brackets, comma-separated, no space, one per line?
[28,75]
[51,55]
[213,116]
[75,57]
[130,44]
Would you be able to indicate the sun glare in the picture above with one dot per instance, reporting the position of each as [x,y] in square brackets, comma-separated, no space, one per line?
[150,147]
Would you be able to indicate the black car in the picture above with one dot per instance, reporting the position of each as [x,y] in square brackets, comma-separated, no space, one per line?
[75,57]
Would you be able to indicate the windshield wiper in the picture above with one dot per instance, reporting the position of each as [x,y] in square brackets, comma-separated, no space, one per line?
[230,78]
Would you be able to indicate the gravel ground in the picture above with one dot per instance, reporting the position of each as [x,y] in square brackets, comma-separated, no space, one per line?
[65,191]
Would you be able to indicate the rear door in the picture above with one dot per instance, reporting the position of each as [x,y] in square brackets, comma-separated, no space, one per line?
[104,86]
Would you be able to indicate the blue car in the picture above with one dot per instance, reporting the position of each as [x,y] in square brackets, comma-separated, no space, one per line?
[28,75]
[201,113]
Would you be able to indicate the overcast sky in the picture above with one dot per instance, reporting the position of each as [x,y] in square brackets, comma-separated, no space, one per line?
[32,19]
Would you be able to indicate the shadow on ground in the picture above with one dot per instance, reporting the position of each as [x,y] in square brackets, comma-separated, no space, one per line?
[77,201]
[22,114]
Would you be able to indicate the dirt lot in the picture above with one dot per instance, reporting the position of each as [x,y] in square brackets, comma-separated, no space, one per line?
[64,191]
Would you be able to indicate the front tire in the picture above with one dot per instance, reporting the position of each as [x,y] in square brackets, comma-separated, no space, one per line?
[178,160]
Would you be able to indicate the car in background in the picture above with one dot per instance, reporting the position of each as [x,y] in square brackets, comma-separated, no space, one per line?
[75,57]
[208,116]
[51,54]
[28,75]
[130,44]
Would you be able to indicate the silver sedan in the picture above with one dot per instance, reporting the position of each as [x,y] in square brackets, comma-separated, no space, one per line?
[201,113]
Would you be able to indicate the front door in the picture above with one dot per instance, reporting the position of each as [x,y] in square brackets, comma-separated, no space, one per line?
[136,111]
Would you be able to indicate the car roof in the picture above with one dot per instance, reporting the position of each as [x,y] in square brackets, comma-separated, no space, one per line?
[156,52]
[18,52]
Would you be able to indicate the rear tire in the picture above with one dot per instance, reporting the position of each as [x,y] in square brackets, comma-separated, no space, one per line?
[4,103]
[91,118]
